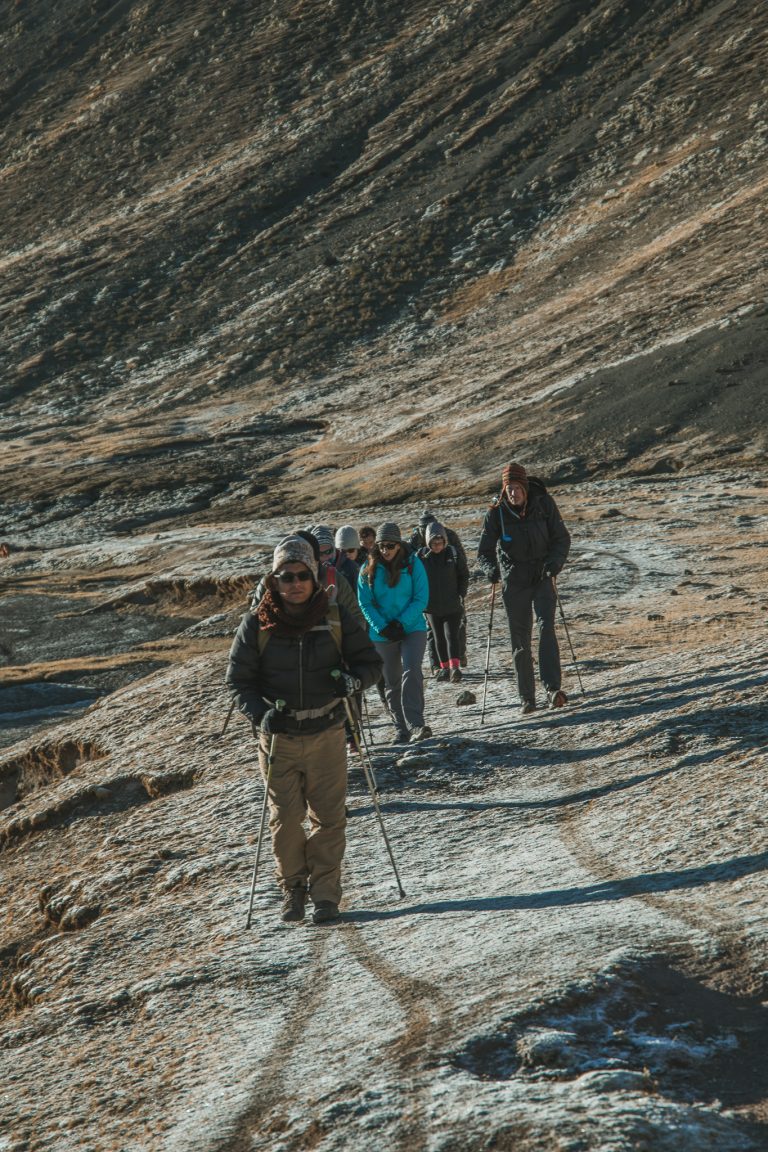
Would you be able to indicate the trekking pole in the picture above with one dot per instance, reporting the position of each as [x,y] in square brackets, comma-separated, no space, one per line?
[488,652]
[371,789]
[567,633]
[229,717]
[356,726]
[279,705]
[368,718]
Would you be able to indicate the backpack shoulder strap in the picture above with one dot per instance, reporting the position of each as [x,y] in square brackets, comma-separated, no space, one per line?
[334,624]
[262,639]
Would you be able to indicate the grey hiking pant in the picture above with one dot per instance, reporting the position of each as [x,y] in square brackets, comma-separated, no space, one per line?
[518,603]
[403,680]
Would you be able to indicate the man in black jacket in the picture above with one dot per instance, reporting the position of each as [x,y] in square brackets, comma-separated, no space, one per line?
[525,544]
[288,650]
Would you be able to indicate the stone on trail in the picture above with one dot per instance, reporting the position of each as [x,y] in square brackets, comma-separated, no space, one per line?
[466,697]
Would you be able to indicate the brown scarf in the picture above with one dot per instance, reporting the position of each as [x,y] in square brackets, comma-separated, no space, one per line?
[273,617]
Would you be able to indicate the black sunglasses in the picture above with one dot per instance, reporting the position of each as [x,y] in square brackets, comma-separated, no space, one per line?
[388,547]
[289,577]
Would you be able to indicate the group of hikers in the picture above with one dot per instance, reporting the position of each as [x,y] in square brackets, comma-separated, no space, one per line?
[341,612]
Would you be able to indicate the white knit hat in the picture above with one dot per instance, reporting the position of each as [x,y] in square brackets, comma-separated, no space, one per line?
[346,537]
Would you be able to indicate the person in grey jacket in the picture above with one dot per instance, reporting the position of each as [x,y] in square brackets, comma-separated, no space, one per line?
[295,649]
[525,543]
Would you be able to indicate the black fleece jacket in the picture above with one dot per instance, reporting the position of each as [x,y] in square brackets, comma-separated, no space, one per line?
[520,547]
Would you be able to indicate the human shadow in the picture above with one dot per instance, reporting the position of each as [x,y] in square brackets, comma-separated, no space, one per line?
[644,884]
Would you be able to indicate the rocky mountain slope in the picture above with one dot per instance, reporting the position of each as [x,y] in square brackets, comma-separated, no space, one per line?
[272,262]
[324,251]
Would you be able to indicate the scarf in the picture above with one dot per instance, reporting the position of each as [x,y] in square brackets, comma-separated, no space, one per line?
[272,616]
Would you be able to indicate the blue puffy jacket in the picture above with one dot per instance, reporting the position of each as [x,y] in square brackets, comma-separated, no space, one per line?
[405,602]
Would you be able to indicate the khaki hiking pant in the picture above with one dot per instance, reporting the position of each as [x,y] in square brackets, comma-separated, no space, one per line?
[308,780]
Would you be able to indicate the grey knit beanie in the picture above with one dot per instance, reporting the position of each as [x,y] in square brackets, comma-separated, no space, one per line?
[435,529]
[294,550]
[324,535]
[388,531]
[346,537]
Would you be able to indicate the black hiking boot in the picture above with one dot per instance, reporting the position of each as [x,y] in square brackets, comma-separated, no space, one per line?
[325,912]
[527,707]
[557,699]
[456,676]
[293,904]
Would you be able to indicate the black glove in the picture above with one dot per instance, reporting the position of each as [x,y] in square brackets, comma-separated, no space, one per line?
[551,568]
[345,684]
[493,577]
[272,722]
[393,631]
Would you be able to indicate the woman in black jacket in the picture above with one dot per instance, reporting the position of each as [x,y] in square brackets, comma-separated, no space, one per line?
[448,577]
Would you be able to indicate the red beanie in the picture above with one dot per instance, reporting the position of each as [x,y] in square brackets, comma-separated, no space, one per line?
[515,473]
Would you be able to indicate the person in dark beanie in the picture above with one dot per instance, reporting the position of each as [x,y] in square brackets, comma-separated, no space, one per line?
[288,650]
[393,594]
[448,579]
[525,543]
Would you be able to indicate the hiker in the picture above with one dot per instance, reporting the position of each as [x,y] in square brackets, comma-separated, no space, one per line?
[525,543]
[347,544]
[393,594]
[287,651]
[337,586]
[448,579]
[418,541]
[367,541]
[330,555]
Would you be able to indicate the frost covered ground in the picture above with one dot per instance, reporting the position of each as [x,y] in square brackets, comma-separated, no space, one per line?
[579,961]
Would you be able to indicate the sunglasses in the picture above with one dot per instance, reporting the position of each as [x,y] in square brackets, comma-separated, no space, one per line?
[289,577]
[327,551]
[388,547]
[351,551]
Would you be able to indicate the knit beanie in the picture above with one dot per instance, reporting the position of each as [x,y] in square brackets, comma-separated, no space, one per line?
[435,529]
[294,550]
[425,519]
[388,531]
[346,537]
[515,473]
[306,534]
[324,535]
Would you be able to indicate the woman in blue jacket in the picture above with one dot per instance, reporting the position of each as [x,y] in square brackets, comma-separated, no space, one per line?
[393,594]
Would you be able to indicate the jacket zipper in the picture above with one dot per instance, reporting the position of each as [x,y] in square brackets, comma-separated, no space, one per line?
[301,674]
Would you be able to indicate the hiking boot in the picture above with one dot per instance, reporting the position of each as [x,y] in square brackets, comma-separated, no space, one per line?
[557,699]
[527,707]
[401,737]
[325,912]
[423,733]
[351,746]
[293,904]
[456,676]
[442,674]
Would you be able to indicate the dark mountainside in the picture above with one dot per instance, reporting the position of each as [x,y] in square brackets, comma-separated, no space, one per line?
[271,263]
[263,254]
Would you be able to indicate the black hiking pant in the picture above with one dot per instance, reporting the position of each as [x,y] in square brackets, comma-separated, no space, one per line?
[434,659]
[521,604]
[445,631]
